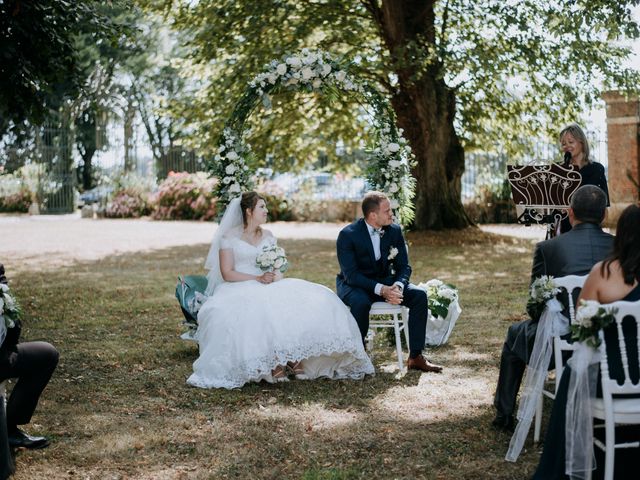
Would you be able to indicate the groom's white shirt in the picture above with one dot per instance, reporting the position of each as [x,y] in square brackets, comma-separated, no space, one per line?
[375,240]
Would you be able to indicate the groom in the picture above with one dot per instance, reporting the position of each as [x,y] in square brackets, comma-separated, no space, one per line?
[374,267]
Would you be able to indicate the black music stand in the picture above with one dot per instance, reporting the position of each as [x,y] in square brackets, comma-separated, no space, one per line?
[542,193]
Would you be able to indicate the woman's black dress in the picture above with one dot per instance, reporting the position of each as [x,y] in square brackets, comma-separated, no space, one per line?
[552,461]
[592,174]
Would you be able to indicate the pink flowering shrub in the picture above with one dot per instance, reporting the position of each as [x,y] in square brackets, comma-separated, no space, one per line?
[17,202]
[185,196]
[128,203]
[277,202]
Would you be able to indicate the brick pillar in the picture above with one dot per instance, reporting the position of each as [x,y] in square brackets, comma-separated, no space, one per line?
[623,146]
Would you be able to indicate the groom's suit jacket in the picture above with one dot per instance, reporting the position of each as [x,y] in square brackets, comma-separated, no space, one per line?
[358,266]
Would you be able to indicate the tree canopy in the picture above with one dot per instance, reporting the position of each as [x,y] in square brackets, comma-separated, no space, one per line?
[460,74]
[42,56]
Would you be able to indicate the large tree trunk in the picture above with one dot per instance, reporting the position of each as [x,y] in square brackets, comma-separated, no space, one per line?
[425,107]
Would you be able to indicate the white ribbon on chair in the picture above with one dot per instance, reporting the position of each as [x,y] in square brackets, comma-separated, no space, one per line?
[579,421]
[552,323]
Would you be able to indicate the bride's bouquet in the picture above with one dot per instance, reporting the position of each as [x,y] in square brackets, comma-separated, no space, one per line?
[9,308]
[542,289]
[272,258]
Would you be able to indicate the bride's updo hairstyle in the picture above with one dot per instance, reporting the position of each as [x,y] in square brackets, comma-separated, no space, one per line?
[249,201]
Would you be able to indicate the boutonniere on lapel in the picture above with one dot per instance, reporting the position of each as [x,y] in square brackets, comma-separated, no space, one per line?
[393,251]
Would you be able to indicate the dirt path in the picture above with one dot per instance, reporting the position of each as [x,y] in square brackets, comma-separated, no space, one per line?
[45,241]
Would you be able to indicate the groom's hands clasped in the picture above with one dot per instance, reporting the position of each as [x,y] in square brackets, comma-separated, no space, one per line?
[392,294]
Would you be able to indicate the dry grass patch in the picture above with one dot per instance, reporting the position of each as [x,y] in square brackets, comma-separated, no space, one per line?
[118,405]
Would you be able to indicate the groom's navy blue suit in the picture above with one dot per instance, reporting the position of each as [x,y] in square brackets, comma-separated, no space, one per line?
[360,273]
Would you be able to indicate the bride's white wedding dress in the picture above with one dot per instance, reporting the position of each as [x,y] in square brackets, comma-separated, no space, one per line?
[246,329]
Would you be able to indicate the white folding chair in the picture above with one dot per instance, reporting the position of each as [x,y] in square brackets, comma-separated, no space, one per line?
[617,410]
[385,315]
[569,283]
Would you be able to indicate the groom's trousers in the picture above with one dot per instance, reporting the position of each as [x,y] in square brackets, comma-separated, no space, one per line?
[414,298]
[33,364]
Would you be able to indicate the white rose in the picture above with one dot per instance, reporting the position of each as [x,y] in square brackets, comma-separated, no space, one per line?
[292,81]
[230,169]
[294,61]
[393,147]
[433,283]
[9,301]
[341,75]
[307,73]
[235,188]
[393,188]
[586,310]
[326,69]
[221,148]
[278,263]
[4,287]
[272,255]
[447,293]
[227,180]
[317,83]
[394,163]
[232,155]
[272,78]
[281,69]
[394,203]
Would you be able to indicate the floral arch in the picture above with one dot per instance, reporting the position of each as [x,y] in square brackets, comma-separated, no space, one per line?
[314,71]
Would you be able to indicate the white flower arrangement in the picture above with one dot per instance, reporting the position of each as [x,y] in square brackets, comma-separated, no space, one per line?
[544,288]
[591,317]
[9,308]
[440,296]
[272,258]
[393,251]
[315,71]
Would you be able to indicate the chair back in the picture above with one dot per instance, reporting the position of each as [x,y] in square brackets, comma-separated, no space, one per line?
[628,313]
[570,283]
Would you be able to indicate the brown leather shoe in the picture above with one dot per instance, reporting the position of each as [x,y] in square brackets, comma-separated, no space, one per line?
[421,363]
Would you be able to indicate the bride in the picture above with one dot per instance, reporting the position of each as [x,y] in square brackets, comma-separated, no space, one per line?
[257,326]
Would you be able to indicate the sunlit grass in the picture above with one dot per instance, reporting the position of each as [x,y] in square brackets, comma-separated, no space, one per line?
[118,405]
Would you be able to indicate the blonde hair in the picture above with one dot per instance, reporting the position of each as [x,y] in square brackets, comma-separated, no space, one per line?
[577,133]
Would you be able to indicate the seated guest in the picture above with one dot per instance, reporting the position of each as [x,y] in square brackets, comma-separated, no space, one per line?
[573,253]
[615,278]
[32,363]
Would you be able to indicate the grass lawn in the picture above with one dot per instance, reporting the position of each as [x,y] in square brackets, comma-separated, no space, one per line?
[118,406]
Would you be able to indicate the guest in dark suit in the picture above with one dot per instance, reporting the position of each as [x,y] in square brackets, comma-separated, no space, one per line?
[573,253]
[615,278]
[374,267]
[32,363]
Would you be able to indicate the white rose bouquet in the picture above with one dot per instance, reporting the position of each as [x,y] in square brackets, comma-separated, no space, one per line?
[272,258]
[9,308]
[591,317]
[542,289]
[440,295]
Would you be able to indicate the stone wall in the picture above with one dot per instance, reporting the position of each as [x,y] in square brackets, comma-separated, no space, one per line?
[623,136]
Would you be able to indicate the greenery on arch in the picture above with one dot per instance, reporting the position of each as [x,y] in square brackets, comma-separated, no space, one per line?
[317,71]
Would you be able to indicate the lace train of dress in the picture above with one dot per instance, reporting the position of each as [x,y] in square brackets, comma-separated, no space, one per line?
[247,328]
